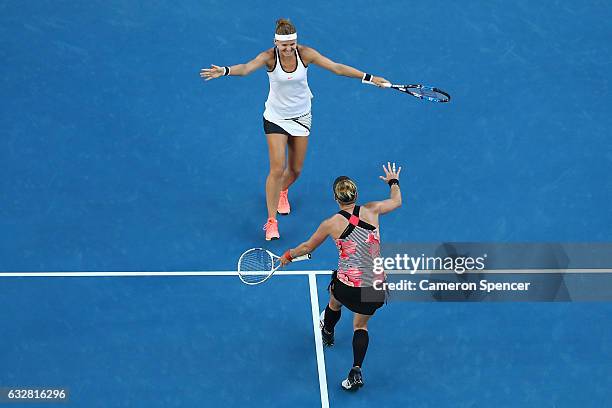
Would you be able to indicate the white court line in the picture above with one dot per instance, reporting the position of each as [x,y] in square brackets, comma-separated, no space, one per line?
[499,271]
[314,303]
[81,274]
[142,273]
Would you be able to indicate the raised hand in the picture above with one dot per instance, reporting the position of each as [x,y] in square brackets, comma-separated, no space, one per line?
[390,172]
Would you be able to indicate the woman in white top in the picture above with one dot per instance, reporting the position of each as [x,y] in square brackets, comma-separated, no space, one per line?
[287,117]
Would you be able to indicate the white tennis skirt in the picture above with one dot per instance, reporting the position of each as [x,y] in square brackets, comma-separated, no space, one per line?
[299,126]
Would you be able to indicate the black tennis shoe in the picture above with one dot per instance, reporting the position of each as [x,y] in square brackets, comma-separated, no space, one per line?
[328,338]
[354,381]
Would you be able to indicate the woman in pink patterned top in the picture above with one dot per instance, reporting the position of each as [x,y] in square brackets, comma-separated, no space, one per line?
[354,229]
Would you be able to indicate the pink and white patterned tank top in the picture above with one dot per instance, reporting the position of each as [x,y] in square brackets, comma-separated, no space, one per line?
[358,246]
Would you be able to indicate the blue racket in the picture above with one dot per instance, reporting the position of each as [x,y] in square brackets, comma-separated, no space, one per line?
[424,92]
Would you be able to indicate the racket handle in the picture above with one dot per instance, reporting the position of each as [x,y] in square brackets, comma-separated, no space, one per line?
[301,258]
[384,85]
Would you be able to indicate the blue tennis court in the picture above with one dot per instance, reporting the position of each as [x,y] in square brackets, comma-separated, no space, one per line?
[119,160]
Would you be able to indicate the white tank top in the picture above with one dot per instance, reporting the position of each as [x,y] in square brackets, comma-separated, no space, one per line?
[289,95]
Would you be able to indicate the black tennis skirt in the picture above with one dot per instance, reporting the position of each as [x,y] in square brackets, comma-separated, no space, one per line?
[364,300]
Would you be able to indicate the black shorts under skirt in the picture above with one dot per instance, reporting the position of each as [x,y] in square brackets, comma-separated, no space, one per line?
[270,128]
[364,300]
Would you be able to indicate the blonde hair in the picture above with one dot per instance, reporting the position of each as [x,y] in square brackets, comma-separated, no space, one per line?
[284,27]
[345,190]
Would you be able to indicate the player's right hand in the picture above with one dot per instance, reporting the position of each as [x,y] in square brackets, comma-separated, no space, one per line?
[212,72]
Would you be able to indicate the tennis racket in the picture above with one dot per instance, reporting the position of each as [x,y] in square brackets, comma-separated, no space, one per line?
[425,92]
[256,265]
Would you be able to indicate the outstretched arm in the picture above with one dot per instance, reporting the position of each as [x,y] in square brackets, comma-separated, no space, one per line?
[395,200]
[314,57]
[309,246]
[241,69]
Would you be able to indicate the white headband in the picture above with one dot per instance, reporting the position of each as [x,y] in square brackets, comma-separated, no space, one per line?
[287,37]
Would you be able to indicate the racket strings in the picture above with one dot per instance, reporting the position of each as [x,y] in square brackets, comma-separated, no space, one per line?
[431,93]
[425,92]
[255,266]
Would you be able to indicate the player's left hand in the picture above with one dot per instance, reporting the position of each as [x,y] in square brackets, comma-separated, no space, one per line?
[390,172]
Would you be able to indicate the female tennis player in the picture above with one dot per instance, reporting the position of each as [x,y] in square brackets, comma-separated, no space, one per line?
[355,232]
[287,117]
